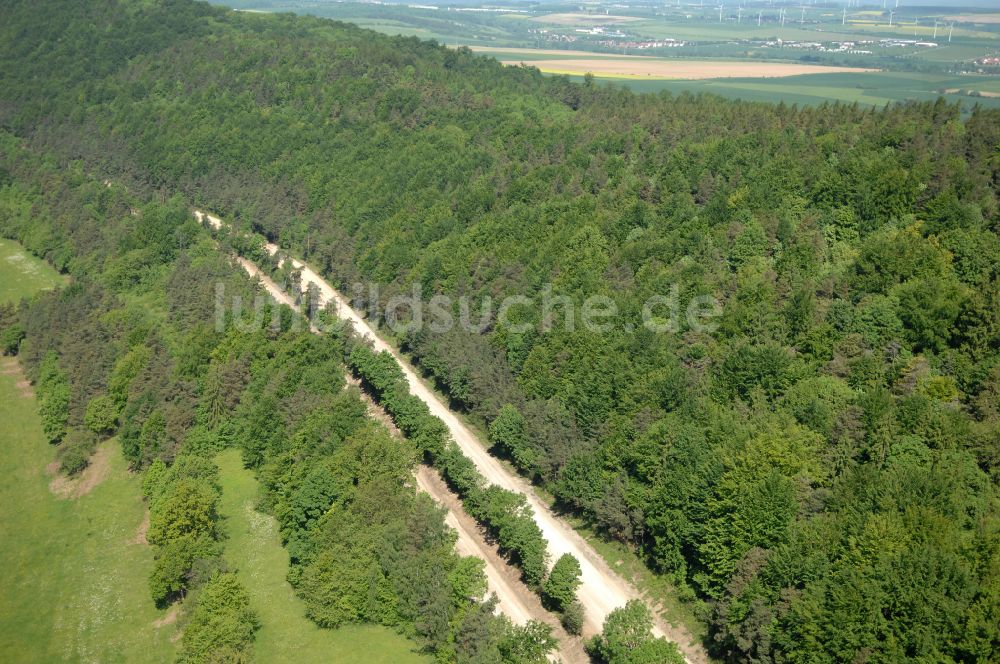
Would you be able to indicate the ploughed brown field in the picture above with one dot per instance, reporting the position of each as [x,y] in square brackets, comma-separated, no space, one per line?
[974,18]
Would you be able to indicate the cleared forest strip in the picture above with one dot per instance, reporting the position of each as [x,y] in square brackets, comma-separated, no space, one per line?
[601,590]
[520,605]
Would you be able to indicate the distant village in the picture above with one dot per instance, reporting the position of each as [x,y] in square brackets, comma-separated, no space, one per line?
[860,47]
[612,37]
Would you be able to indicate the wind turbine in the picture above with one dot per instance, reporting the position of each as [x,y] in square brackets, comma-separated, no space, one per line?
[802,17]
[950,29]
[739,15]
[720,13]
[935,28]
[843,19]
[758,18]
[890,17]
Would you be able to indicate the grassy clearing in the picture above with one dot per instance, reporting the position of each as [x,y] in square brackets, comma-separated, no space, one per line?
[254,550]
[21,274]
[73,579]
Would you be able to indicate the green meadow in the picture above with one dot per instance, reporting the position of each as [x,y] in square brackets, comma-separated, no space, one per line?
[73,578]
[73,572]
[866,88]
[254,550]
[21,274]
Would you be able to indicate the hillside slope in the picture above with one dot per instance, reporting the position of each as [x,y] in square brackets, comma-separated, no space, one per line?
[816,471]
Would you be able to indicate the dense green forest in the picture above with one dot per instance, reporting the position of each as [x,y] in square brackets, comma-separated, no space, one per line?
[819,473]
[143,357]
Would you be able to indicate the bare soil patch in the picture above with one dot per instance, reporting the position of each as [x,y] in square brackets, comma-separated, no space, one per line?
[680,69]
[9,366]
[981,93]
[24,388]
[91,476]
[974,18]
[169,619]
[140,533]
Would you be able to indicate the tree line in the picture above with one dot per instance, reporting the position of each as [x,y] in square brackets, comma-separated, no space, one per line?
[142,360]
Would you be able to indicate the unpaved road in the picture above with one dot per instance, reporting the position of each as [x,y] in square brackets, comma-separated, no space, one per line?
[502,578]
[514,600]
[601,590]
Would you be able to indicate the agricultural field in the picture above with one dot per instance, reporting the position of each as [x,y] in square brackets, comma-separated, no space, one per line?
[584,19]
[637,67]
[792,83]
[736,53]
[254,550]
[871,88]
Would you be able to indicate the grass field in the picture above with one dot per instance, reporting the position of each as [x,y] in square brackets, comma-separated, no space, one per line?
[255,551]
[866,88]
[511,37]
[73,581]
[874,88]
[21,274]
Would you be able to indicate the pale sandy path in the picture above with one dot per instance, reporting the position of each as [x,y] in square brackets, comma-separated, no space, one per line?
[601,590]
[501,576]
[517,603]
[469,544]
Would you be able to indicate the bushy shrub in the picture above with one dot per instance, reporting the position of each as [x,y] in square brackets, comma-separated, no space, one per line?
[75,451]
[10,339]
[101,416]
[223,623]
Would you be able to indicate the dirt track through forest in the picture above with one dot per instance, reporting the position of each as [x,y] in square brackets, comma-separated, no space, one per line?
[513,601]
[601,590]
